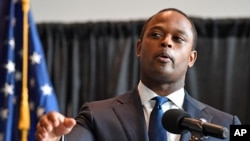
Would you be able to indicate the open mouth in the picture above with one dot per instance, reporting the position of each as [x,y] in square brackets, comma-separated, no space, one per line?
[165,58]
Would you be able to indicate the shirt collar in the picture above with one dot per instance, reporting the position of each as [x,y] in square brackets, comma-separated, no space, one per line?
[146,94]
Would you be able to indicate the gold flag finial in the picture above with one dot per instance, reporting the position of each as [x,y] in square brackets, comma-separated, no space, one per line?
[24,117]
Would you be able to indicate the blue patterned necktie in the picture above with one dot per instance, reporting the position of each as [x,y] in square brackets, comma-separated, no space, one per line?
[156,132]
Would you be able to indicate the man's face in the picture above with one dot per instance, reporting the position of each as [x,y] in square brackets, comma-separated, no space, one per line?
[165,50]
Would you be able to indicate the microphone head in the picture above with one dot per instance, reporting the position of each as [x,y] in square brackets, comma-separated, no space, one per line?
[171,120]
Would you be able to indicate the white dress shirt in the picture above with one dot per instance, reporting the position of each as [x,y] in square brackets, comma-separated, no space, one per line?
[175,102]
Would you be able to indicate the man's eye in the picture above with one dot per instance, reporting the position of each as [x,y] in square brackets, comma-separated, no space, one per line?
[156,35]
[179,39]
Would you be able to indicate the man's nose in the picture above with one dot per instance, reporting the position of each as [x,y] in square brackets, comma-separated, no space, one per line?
[167,42]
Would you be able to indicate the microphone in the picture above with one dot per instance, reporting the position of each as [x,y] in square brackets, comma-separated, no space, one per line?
[176,121]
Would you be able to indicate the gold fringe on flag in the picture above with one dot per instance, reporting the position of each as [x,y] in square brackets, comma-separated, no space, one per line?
[24,117]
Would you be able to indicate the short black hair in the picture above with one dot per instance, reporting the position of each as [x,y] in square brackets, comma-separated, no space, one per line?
[171,9]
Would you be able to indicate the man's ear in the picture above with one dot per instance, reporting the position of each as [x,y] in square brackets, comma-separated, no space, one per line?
[192,58]
[138,48]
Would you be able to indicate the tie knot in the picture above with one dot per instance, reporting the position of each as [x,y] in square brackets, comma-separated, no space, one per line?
[160,100]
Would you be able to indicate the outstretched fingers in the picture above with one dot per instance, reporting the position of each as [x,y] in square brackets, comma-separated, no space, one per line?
[52,126]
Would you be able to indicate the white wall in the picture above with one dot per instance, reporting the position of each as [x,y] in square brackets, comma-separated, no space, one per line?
[100,10]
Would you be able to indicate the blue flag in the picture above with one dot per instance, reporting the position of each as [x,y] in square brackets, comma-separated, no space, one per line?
[42,97]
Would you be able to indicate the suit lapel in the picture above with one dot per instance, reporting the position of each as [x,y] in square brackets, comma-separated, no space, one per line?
[195,108]
[130,113]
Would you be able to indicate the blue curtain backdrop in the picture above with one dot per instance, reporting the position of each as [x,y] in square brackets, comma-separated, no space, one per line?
[42,97]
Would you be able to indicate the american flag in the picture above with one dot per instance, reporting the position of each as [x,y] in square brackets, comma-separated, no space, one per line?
[42,97]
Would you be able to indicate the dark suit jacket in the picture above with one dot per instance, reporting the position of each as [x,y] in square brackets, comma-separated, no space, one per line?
[122,119]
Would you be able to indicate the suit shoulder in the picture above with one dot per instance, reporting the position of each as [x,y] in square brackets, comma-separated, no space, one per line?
[201,110]
[219,116]
[107,103]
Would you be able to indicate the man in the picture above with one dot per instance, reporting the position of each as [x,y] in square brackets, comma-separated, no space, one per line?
[166,50]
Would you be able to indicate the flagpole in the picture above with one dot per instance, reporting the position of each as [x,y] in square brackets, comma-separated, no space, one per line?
[24,118]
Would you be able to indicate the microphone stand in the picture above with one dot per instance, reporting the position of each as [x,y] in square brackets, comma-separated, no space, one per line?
[195,136]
